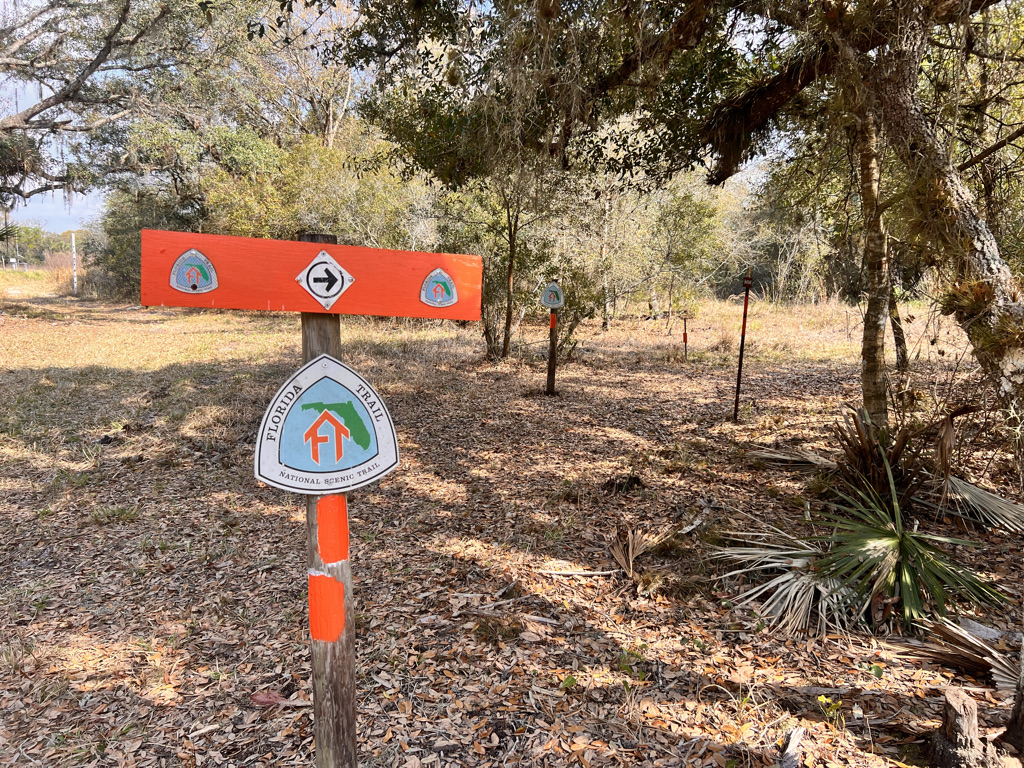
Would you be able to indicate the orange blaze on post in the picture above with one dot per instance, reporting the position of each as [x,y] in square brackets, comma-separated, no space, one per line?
[332,528]
[326,607]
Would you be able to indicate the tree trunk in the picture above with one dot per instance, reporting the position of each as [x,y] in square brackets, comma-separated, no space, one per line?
[513,237]
[898,336]
[652,305]
[988,168]
[984,296]
[671,301]
[608,309]
[872,374]
[957,744]
[606,306]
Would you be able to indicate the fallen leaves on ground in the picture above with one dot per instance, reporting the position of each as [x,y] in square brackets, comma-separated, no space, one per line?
[154,594]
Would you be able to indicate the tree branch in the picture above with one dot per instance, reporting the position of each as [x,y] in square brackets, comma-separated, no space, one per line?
[20,120]
[990,149]
[684,34]
[732,125]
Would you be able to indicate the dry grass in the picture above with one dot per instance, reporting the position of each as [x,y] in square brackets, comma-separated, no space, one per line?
[62,273]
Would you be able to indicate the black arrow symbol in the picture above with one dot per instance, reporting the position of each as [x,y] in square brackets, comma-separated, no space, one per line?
[330,279]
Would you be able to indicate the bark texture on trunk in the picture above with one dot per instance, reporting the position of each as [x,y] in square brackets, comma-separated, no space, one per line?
[872,377]
[983,296]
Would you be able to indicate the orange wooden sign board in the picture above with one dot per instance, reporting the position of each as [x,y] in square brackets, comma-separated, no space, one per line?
[180,269]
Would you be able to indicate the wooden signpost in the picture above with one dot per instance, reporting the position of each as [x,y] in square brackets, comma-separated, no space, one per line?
[326,431]
[553,298]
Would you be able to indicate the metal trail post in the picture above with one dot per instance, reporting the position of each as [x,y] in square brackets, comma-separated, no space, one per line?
[747,282]
[552,353]
[685,354]
[74,266]
[331,609]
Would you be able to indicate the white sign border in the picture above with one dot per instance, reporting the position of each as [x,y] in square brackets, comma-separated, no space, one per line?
[307,376]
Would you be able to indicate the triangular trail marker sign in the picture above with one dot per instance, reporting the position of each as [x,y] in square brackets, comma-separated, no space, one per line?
[326,431]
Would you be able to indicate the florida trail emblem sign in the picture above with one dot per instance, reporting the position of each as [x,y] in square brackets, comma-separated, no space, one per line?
[325,431]
[192,272]
[552,296]
[439,289]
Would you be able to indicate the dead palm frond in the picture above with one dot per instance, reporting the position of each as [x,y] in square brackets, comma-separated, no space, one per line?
[978,504]
[871,458]
[952,646]
[630,543]
[796,598]
[798,459]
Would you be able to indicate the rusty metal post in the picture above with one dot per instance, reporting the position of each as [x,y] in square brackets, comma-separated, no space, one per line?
[685,355]
[747,282]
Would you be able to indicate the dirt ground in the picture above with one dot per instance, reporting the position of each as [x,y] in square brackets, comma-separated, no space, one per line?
[153,593]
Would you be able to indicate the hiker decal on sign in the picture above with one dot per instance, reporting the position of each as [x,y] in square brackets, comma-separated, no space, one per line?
[192,272]
[439,290]
[552,296]
[326,431]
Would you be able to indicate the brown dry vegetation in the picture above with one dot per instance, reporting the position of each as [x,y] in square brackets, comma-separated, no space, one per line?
[151,586]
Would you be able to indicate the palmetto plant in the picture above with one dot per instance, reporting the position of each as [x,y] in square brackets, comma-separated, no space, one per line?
[873,553]
[796,597]
[872,459]
[871,558]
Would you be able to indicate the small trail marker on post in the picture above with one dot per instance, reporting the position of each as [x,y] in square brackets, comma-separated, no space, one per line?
[326,431]
[747,282]
[553,298]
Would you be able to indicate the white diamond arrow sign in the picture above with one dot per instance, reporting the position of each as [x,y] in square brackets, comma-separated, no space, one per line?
[325,279]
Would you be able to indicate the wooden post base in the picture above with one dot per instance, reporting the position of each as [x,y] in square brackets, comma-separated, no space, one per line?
[332,631]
